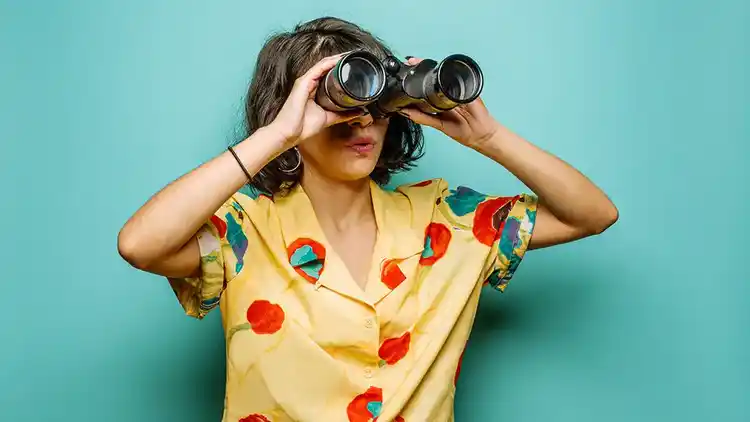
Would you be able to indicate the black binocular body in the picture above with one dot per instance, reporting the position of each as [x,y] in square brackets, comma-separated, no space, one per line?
[361,80]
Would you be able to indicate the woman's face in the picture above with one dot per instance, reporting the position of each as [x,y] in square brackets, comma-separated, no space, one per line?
[345,152]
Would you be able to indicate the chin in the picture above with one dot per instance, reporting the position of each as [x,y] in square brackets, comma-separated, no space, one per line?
[342,164]
[357,170]
[354,176]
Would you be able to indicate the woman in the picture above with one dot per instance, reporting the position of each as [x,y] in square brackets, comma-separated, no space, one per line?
[342,301]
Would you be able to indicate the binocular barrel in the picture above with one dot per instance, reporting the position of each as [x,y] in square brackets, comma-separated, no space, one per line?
[361,80]
[357,80]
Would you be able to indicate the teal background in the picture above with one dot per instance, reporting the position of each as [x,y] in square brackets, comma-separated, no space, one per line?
[103,103]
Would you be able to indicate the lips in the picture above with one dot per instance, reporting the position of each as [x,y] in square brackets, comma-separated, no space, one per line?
[361,144]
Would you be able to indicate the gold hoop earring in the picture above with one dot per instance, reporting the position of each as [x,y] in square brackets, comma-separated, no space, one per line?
[295,167]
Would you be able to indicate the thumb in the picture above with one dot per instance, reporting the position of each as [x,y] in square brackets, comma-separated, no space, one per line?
[420,117]
[342,116]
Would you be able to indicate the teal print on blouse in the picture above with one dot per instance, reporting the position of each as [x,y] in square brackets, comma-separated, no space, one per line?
[306,260]
[428,252]
[238,241]
[374,407]
[253,192]
[509,239]
[494,278]
[210,303]
[464,200]
[531,216]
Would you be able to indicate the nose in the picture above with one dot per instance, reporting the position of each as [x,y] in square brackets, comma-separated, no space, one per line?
[361,121]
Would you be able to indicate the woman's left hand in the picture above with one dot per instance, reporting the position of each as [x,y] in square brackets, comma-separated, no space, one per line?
[470,124]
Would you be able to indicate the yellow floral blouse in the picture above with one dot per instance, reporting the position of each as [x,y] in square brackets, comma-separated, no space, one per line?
[305,343]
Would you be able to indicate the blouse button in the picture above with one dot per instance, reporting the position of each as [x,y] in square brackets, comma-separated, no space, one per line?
[368,373]
[368,323]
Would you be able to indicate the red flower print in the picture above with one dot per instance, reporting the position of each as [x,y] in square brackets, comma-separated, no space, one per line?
[437,238]
[221,226]
[265,317]
[391,275]
[255,418]
[394,349]
[308,258]
[366,406]
[422,183]
[489,219]
[458,367]
[399,418]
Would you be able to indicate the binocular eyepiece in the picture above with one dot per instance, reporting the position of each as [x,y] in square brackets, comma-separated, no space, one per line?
[361,80]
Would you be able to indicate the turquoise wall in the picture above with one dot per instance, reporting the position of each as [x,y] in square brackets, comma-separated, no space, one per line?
[102,103]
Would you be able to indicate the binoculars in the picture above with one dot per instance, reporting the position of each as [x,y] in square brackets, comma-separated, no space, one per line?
[361,80]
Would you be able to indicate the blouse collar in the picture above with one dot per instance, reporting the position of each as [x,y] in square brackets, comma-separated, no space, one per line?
[315,260]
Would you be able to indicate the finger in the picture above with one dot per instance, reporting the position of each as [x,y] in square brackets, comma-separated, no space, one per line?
[465,111]
[322,67]
[475,105]
[422,118]
[413,60]
[308,81]
[342,116]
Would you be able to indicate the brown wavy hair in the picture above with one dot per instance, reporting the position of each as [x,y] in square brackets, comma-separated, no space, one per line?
[286,56]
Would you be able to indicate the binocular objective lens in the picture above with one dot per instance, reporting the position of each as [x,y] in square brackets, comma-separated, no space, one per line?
[459,80]
[360,77]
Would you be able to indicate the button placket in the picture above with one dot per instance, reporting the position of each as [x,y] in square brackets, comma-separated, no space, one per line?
[370,323]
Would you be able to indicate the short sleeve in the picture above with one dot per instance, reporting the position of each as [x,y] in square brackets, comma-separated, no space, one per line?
[503,223]
[223,242]
[513,238]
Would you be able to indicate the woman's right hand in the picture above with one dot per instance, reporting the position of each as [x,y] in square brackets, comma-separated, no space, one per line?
[161,236]
[301,117]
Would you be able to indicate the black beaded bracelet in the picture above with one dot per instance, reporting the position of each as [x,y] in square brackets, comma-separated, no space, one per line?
[244,170]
